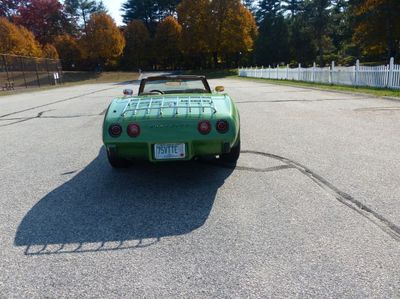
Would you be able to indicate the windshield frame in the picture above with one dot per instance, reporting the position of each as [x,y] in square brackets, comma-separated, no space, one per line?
[149,79]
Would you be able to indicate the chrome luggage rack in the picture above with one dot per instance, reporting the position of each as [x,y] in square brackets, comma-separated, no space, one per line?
[198,102]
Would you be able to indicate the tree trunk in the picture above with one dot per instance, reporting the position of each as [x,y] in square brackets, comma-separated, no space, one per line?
[215,57]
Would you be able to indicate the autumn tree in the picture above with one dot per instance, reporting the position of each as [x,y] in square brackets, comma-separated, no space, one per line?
[49,51]
[79,11]
[167,42]
[42,17]
[69,51]
[377,28]
[232,29]
[194,17]
[104,43]
[17,40]
[137,49]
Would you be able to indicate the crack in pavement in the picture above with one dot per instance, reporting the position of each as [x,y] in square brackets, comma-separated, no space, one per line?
[379,220]
[40,115]
[56,102]
[288,101]
[374,109]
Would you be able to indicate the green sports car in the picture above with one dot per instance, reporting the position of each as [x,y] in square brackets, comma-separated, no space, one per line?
[173,118]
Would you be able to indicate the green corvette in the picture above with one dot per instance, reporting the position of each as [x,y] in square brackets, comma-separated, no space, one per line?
[173,118]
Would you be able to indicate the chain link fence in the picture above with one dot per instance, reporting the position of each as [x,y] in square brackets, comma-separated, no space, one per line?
[17,72]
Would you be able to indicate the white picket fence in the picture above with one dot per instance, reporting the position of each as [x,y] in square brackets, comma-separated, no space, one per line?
[383,76]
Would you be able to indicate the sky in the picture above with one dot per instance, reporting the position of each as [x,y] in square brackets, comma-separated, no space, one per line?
[113,7]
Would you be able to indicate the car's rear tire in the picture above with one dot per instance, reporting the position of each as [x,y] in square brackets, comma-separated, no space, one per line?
[233,155]
[117,162]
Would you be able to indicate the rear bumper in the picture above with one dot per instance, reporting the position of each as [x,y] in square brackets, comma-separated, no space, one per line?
[145,151]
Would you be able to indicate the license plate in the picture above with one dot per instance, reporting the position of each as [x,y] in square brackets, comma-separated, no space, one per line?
[169,151]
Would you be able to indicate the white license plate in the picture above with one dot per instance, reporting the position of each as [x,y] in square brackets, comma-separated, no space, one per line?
[169,151]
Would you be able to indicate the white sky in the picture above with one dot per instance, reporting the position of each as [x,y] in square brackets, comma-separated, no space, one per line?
[113,7]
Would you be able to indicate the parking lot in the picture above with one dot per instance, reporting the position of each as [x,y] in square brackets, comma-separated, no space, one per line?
[311,210]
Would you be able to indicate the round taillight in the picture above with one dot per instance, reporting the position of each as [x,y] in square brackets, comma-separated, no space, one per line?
[133,130]
[222,126]
[115,130]
[204,127]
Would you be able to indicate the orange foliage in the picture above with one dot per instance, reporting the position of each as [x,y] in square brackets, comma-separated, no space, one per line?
[167,41]
[17,40]
[49,51]
[103,42]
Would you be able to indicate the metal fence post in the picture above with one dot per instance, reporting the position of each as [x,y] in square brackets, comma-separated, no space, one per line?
[23,70]
[48,73]
[269,72]
[391,69]
[37,73]
[6,68]
[277,71]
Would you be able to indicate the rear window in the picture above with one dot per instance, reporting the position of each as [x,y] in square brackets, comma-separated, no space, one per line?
[169,86]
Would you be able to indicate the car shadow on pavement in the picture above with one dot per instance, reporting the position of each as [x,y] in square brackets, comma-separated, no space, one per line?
[105,209]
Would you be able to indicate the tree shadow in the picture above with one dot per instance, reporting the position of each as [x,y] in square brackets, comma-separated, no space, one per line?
[105,209]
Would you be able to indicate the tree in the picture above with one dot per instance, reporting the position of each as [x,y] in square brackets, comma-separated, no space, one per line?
[233,29]
[377,28]
[272,45]
[69,51]
[194,17]
[8,8]
[17,40]
[150,12]
[317,14]
[49,51]
[44,18]
[268,7]
[79,11]
[104,43]
[293,6]
[136,52]
[167,41]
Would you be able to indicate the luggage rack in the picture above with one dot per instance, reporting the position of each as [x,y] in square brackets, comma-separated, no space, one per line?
[198,102]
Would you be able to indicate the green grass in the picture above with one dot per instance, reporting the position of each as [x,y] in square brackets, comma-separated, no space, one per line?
[232,73]
[380,92]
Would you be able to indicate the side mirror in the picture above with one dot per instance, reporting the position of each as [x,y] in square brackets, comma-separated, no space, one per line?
[219,89]
[128,92]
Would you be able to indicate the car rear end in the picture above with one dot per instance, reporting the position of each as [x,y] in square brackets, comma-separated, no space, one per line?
[170,128]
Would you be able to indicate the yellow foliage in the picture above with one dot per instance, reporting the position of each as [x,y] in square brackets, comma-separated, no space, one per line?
[49,51]
[103,41]
[233,28]
[194,17]
[17,40]
[167,41]
[217,26]
[378,26]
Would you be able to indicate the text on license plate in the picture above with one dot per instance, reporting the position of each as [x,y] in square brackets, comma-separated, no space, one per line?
[169,151]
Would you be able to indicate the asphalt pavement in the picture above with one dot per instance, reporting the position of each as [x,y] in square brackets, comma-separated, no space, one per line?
[312,208]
